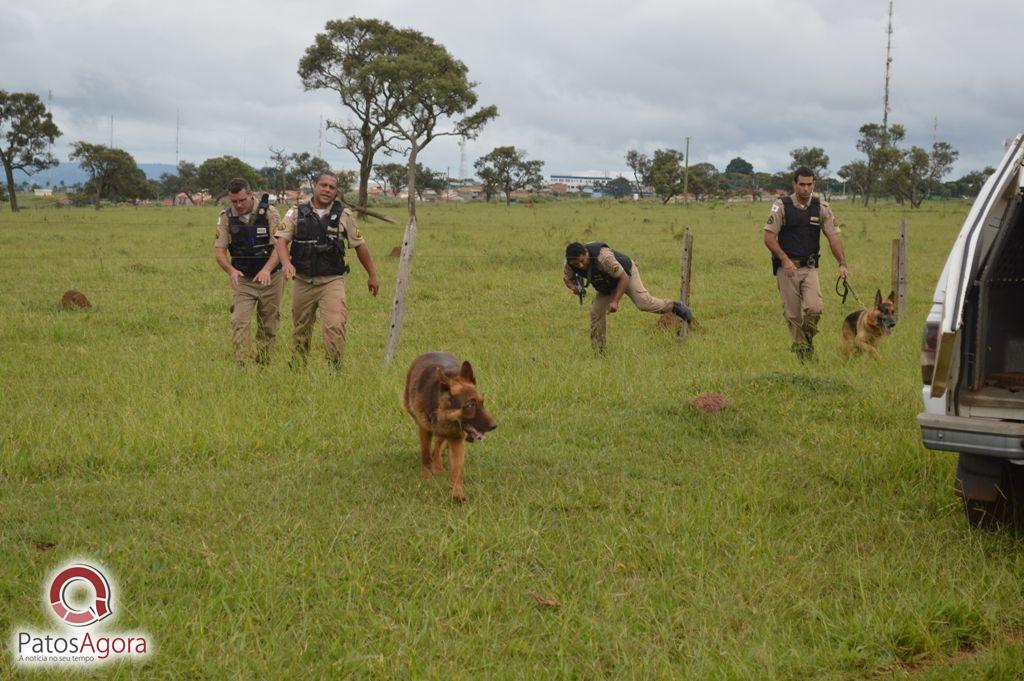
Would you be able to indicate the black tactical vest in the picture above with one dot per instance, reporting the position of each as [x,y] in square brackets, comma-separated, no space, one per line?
[594,276]
[318,246]
[800,236]
[250,245]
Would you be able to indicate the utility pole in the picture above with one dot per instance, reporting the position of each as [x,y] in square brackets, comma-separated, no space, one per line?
[320,138]
[686,172]
[888,66]
[462,159]
[177,139]
[49,143]
[111,131]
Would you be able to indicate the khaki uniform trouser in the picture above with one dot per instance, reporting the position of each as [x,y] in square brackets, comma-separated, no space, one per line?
[329,298]
[640,296]
[266,301]
[801,295]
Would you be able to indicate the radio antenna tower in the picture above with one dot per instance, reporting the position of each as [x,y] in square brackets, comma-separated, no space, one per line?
[462,159]
[111,131]
[177,139]
[320,138]
[888,66]
[49,144]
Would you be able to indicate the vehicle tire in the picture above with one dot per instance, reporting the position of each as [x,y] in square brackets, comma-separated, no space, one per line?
[984,485]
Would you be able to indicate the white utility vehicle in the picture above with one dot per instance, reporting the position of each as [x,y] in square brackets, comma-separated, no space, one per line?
[972,356]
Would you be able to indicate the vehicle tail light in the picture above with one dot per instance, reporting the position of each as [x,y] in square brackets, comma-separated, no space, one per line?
[929,345]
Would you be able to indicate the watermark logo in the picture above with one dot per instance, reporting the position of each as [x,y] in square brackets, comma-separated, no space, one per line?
[66,611]
[81,598]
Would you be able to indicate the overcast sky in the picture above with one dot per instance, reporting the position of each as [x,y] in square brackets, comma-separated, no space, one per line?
[576,84]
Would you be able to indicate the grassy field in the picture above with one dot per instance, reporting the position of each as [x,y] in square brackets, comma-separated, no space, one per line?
[272,524]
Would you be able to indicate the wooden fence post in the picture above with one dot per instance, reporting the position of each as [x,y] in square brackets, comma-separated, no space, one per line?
[899,268]
[684,279]
[401,288]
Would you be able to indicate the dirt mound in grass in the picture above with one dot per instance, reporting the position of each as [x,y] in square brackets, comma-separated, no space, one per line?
[710,403]
[74,300]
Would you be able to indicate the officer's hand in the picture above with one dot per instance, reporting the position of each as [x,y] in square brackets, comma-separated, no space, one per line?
[235,274]
[289,270]
[843,272]
[262,277]
[374,285]
[613,306]
[789,268]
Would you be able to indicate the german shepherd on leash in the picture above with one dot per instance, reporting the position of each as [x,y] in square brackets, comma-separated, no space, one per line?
[863,329]
[441,397]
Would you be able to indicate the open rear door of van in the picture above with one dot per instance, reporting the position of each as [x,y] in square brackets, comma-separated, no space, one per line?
[969,252]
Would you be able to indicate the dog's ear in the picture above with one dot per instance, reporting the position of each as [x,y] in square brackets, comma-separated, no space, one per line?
[467,372]
[892,296]
[443,379]
[878,297]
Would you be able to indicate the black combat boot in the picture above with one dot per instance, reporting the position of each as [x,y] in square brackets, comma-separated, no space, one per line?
[683,312]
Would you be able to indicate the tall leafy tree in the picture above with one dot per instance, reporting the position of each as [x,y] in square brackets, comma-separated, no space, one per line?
[641,167]
[113,173]
[391,176]
[427,178]
[181,182]
[878,144]
[617,188]
[215,173]
[353,58]
[26,128]
[917,173]
[507,169]
[667,174]
[740,165]
[438,99]
[282,165]
[855,176]
[307,168]
[814,158]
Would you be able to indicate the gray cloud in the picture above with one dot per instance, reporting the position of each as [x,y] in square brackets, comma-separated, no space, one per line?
[577,84]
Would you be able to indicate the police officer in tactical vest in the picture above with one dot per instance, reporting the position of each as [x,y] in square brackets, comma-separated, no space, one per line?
[317,233]
[793,235]
[245,231]
[611,274]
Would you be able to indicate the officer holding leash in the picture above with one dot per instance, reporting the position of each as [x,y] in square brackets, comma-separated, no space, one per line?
[793,235]
[317,232]
[245,231]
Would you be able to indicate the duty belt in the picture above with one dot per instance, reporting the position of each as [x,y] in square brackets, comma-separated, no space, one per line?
[808,261]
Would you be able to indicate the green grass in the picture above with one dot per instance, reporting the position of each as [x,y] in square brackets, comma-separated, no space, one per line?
[271,524]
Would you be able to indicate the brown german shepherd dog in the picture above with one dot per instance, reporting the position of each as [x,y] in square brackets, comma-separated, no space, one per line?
[441,397]
[863,329]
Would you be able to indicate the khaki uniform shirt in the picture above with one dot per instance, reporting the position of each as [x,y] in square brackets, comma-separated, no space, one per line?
[777,218]
[606,262]
[347,225]
[223,237]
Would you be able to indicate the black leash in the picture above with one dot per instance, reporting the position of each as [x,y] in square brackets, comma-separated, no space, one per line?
[846,290]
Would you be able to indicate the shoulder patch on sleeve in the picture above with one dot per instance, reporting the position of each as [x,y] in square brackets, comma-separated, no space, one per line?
[775,208]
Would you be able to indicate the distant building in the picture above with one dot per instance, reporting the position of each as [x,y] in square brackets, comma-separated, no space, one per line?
[558,188]
[579,183]
[43,191]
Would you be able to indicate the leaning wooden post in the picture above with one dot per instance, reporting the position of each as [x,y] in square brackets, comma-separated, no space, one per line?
[401,287]
[899,268]
[684,280]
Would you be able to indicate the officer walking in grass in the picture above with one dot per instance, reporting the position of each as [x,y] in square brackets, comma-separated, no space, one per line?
[245,230]
[612,274]
[317,232]
[793,235]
